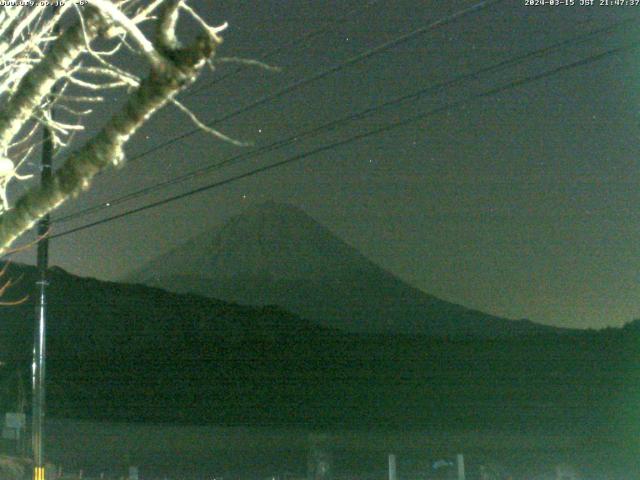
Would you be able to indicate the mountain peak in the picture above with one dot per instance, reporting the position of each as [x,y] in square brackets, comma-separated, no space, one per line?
[268,240]
[275,254]
[273,208]
[273,221]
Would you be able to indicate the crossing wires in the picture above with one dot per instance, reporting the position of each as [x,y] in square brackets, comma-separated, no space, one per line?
[332,125]
[360,136]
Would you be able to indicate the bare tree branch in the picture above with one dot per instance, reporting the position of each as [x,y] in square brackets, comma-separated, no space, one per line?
[37,52]
[36,84]
[176,70]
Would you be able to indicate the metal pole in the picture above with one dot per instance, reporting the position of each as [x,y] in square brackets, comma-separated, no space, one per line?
[392,467]
[39,343]
[38,378]
[460,463]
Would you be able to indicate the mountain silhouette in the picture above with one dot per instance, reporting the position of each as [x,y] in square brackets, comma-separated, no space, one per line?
[122,352]
[276,254]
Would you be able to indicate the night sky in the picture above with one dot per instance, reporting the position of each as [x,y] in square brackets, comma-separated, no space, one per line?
[522,204]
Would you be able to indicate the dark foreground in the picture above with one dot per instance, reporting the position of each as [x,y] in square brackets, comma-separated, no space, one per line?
[192,452]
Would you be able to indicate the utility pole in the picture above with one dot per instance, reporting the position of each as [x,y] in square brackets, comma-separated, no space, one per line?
[40,326]
[39,344]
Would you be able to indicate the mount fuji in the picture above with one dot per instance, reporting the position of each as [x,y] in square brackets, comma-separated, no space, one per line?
[276,254]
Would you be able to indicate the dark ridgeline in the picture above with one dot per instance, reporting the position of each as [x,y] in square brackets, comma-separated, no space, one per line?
[131,352]
[275,254]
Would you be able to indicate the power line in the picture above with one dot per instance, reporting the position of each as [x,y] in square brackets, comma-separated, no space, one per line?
[328,126]
[328,71]
[360,136]
[367,54]
[349,15]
